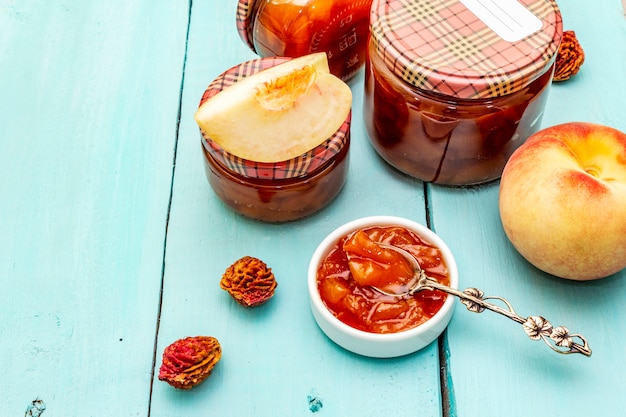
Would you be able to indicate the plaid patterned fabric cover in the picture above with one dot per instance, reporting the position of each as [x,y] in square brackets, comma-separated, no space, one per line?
[441,46]
[293,168]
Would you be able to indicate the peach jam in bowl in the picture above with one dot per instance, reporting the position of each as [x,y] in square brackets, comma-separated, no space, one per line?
[449,92]
[349,263]
[277,191]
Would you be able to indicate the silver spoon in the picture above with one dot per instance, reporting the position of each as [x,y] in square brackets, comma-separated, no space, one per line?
[536,327]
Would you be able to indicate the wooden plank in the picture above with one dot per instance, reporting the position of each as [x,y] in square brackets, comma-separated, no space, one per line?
[275,359]
[89,126]
[494,368]
[90,94]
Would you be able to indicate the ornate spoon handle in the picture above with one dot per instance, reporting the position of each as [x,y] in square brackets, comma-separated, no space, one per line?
[558,339]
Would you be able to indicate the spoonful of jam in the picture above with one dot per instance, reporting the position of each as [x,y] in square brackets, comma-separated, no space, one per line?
[393,271]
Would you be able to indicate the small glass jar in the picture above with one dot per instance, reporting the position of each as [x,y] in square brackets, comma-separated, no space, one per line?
[447,100]
[281,191]
[294,28]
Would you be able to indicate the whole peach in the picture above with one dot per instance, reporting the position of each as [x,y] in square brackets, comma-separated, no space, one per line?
[563,200]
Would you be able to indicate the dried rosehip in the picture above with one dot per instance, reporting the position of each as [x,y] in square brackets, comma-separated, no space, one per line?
[249,281]
[570,57]
[188,362]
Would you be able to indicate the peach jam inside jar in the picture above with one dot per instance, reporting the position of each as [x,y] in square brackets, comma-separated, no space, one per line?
[294,28]
[449,95]
[278,191]
[357,262]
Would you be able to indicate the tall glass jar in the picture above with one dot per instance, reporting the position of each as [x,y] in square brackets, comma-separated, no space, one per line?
[448,98]
[294,28]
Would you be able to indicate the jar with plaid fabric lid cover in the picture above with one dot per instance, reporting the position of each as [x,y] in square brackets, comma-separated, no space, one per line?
[281,191]
[453,87]
[294,28]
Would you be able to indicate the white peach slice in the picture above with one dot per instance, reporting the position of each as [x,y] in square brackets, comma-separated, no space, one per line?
[279,113]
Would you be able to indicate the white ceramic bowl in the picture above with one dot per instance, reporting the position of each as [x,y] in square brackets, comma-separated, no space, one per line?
[375,344]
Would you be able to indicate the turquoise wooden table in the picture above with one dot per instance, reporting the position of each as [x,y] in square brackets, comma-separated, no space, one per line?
[112,243]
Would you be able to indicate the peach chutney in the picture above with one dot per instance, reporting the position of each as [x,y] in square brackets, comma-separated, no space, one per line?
[358,262]
[448,95]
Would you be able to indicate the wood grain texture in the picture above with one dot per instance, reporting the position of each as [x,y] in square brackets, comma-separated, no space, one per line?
[495,368]
[88,115]
[275,358]
[92,146]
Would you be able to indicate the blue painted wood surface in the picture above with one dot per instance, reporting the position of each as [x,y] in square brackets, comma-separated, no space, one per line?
[112,243]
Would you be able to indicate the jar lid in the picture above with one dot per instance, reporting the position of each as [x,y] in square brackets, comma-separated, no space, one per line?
[292,168]
[444,47]
[244,19]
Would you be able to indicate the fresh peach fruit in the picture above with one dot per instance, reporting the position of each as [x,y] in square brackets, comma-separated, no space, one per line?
[279,113]
[563,200]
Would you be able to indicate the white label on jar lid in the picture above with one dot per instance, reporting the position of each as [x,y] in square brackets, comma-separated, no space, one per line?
[507,18]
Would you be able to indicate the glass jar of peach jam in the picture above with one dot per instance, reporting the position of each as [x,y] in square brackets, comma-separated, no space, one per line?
[278,191]
[294,28]
[450,93]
